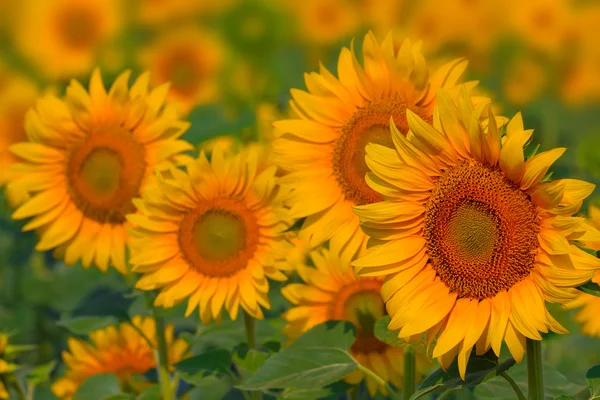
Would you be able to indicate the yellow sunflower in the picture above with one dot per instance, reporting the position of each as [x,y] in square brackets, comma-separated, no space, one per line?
[474,238]
[127,351]
[87,157]
[210,235]
[324,147]
[17,95]
[62,37]
[589,315]
[190,59]
[4,366]
[332,291]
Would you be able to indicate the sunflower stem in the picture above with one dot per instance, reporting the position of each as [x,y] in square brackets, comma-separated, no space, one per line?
[513,384]
[409,371]
[535,377]
[250,324]
[162,365]
[392,393]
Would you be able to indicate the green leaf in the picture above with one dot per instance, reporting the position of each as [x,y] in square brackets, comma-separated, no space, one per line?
[98,387]
[41,373]
[316,359]
[306,394]
[12,351]
[211,388]
[213,362]
[590,288]
[85,325]
[592,378]
[150,393]
[385,335]
[479,370]
[555,385]
[250,359]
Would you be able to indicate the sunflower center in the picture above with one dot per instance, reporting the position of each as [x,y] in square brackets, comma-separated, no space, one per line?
[104,173]
[219,237]
[360,302]
[184,70]
[78,28]
[370,124]
[481,231]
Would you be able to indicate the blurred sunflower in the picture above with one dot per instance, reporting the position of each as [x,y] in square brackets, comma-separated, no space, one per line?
[87,157]
[381,16]
[17,95]
[324,147]
[524,81]
[5,367]
[210,235]
[331,291]
[126,351]
[190,59]
[62,37]
[325,22]
[158,12]
[473,238]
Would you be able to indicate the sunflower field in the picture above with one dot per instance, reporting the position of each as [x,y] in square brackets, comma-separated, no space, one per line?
[299,199]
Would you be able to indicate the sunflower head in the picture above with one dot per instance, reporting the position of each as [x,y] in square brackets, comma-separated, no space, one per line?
[324,146]
[87,157]
[126,350]
[63,38]
[331,291]
[474,238]
[211,235]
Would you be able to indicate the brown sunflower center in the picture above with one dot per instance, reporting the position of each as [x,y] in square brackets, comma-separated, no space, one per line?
[481,231]
[219,237]
[370,124]
[184,70]
[360,302]
[78,27]
[104,173]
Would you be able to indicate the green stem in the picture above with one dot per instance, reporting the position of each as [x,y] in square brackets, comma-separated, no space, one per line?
[379,381]
[513,384]
[250,324]
[12,380]
[162,365]
[534,370]
[409,371]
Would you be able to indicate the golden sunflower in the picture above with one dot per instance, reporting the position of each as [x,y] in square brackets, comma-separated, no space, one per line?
[87,157]
[62,37]
[210,235]
[324,147]
[190,59]
[4,366]
[332,291]
[127,351]
[474,238]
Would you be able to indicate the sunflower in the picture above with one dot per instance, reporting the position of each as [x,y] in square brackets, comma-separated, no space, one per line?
[17,95]
[127,351]
[87,157]
[525,79]
[190,59]
[589,314]
[332,291]
[210,235]
[474,238]
[62,37]
[5,367]
[324,147]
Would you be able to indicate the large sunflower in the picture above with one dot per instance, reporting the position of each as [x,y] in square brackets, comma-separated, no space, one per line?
[127,351]
[332,291]
[87,157]
[324,147]
[211,235]
[474,238]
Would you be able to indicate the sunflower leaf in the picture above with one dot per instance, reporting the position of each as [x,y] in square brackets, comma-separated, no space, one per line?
[385,335]
[85,325]
[41,373]
[480,369]
[590,288]
[212,362]
[99,387]
[593,380]
[316,359]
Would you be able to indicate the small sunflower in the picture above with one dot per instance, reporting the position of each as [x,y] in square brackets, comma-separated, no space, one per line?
[87,157]
[210,235]
[474,237]
[62,37]
[127,351]
[324,147]
[332,291]
[325,22]
[5,367]
[190,59]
